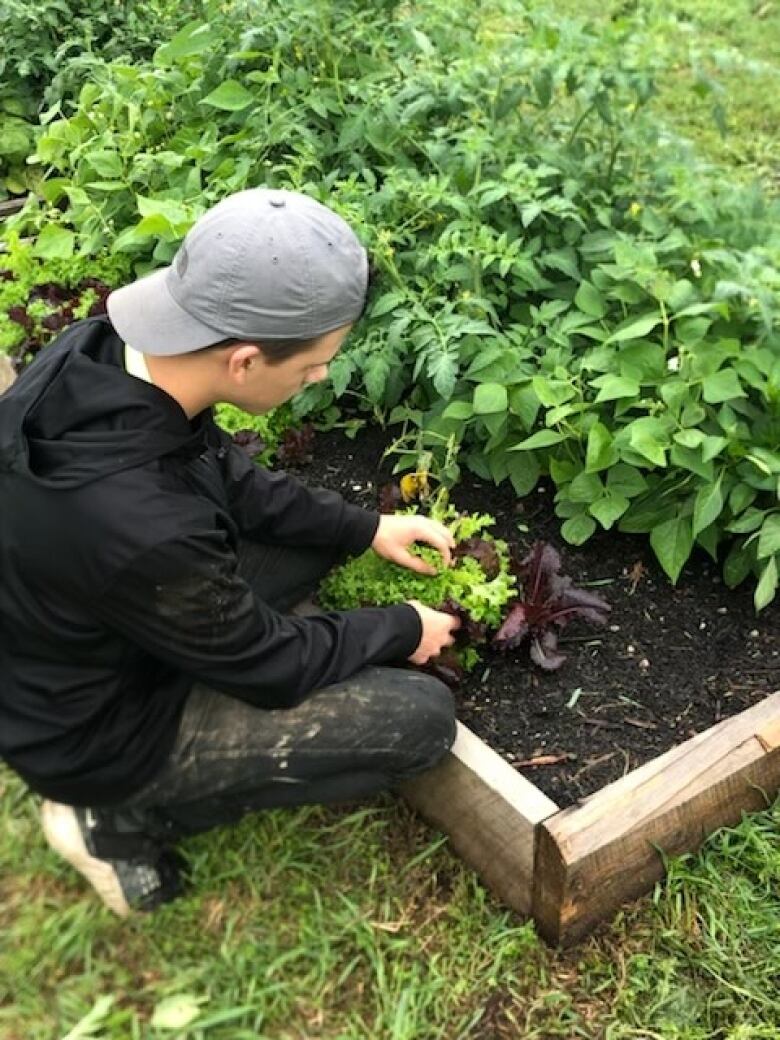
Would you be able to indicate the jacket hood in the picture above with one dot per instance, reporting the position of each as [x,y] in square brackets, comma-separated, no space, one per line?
[75,415]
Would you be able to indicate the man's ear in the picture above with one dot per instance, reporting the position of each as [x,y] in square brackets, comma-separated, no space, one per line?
[242,360]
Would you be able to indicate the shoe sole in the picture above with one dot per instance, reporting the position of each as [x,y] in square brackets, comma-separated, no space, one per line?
[61,830]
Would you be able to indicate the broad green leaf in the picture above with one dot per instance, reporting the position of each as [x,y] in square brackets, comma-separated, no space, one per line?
[107,185]
[565,411]
[590,300]
[674,393]
[542,439]
[672,542]
[524,403]
[708,540]
[423,42]
[613,387]
[689,438]
[496,425]
[742,495]
[692,414]
[644,516]
[173,211]
[767,585]
[712,446]
[458,410]
[722,386]
[524,472]
[490,397]
[443,370]
[562,471]
[767,461]
[708,506]
[229,96]
[747,522]
[690,458]
[54,243]
[647,437]
[530,212]
[553,392]
[586,487]
[645,362]
[636,329]
[497,463]
[601,452]
[105,163]
[194,38]
[609,509]
[738,564]
[578,529]
[769,539]
[375,377]
[564,260]
[625,481]
[386,303]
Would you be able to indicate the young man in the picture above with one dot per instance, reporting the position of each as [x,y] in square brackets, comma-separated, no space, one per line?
[151,682]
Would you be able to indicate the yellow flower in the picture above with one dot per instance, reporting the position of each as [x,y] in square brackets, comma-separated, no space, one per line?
[635,209]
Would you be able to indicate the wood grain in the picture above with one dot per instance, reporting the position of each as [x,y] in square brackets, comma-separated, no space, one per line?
[490,813]
[610,848]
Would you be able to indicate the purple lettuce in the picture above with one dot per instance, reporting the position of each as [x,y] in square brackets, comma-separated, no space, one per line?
[549,601]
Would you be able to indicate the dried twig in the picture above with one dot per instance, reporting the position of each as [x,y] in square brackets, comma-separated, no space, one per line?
[543,760]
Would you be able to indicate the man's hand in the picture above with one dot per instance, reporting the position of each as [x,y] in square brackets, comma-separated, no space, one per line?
[396,533]
[438,631]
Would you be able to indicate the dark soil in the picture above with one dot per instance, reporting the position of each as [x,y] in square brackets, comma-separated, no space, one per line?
[672,662]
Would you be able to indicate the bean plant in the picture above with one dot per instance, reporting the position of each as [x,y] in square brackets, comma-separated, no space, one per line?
[564,291]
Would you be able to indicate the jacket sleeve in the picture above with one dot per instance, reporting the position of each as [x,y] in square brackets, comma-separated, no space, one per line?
[184,603]
[278,508]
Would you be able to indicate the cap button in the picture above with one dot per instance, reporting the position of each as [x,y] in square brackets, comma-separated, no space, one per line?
[277,203]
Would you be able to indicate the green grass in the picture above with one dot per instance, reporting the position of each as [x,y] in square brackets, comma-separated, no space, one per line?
[360,923]
[720,88]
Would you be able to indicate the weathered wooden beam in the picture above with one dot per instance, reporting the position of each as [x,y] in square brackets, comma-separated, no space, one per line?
[9,206]
[490,813]
[610,848]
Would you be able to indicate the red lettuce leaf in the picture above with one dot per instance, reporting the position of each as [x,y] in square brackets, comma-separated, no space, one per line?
[548,598]
[250,440]
[483,551]
[390,498]
[295,446]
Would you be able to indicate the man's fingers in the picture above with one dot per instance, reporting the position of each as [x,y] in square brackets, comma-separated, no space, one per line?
[439,537]
[414,563]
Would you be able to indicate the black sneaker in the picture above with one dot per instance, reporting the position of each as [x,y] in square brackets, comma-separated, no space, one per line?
[129,871]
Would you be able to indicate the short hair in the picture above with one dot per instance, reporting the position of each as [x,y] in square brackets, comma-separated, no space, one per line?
[275,351]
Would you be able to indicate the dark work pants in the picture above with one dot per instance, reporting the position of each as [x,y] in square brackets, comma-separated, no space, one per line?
[345,742]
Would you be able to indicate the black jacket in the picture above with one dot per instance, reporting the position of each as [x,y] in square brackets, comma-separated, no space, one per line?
[119,524]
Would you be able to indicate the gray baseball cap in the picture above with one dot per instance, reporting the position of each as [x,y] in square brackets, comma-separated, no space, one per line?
[262,264]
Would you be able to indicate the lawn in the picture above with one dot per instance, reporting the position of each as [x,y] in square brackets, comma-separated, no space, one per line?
[359,922]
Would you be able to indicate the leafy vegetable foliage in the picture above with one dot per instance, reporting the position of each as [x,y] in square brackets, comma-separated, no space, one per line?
[549,600]
[562,291]
[465,590]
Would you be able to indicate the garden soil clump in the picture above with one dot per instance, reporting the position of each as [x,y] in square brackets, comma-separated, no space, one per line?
[671,661]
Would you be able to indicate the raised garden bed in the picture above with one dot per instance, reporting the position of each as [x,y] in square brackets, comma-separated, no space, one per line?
[656,731]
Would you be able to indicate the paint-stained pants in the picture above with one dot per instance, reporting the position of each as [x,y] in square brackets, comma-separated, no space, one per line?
[343,743]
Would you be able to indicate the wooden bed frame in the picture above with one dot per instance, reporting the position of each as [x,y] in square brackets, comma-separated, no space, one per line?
[570,868]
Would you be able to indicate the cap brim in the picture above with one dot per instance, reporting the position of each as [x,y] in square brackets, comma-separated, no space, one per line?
[148,318]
